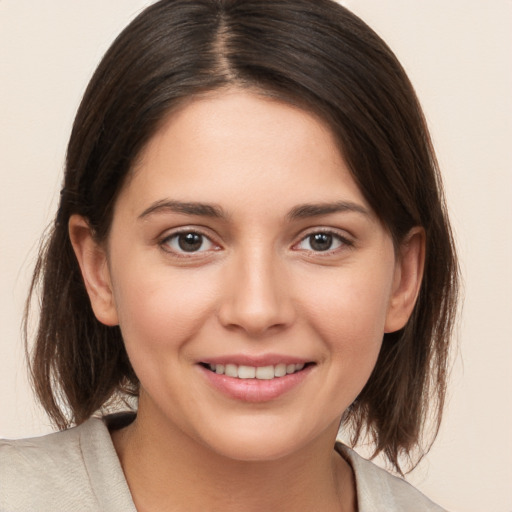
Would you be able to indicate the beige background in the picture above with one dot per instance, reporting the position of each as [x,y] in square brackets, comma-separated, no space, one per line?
[458,54]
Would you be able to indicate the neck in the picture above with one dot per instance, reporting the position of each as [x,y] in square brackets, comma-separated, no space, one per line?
[167,470]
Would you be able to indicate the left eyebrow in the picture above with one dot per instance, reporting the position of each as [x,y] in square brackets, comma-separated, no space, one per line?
[315,210]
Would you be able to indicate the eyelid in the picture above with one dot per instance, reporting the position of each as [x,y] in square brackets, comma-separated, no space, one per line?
[345,239]
[163,241]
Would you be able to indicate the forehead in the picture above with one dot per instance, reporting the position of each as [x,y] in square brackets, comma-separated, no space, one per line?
[238,144]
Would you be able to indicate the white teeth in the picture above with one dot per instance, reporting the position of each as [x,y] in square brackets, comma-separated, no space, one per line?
[280,370]
[265,372]
[231,370]
[256,372]
[246,372]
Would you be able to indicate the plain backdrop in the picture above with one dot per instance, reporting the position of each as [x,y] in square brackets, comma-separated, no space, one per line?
[458,55]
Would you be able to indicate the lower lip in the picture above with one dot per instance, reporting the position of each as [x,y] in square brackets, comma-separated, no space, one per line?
[255,390]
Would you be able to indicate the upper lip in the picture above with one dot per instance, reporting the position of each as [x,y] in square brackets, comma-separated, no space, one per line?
[257,361]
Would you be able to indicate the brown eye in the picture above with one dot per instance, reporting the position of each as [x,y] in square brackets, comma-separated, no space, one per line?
[322,242]
[189,242]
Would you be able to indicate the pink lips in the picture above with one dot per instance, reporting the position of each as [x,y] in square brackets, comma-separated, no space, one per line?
[254,389]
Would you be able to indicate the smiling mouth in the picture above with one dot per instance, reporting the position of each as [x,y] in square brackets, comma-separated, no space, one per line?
[256,372]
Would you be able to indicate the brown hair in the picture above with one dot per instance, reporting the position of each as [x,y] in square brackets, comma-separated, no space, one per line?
[312,53]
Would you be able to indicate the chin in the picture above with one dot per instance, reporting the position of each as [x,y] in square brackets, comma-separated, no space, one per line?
[261,442]
[257,449]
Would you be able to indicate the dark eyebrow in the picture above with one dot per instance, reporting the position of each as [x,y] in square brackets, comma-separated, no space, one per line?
[315,210]
[187,208]
[209,210]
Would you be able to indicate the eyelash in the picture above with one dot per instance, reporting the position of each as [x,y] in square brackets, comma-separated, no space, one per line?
[343,242]
[165,243]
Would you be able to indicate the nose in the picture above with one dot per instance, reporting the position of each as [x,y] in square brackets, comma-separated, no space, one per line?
[256,298]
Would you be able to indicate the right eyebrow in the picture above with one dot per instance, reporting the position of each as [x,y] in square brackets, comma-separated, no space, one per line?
[187,208]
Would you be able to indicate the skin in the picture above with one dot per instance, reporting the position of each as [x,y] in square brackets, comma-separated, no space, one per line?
[256,287]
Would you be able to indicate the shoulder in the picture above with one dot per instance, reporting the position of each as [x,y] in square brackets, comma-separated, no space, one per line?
[68,470]
[42,471]
[379,490]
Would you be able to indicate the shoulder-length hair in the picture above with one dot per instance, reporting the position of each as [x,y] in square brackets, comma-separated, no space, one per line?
[314,54]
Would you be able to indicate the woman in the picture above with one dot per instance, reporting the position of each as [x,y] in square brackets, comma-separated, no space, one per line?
[252,240]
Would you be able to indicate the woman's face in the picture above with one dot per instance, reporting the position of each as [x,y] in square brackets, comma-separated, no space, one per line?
[241,249]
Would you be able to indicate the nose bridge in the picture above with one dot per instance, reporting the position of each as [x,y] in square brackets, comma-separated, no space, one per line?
[256,298]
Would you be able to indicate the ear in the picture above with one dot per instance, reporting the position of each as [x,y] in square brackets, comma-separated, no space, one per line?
[407,279]
[92,258]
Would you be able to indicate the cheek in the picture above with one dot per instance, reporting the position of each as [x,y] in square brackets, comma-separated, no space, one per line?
[350,302]
[161,309]
[347,312]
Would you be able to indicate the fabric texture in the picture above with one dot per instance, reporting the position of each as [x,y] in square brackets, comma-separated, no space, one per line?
[78,470]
